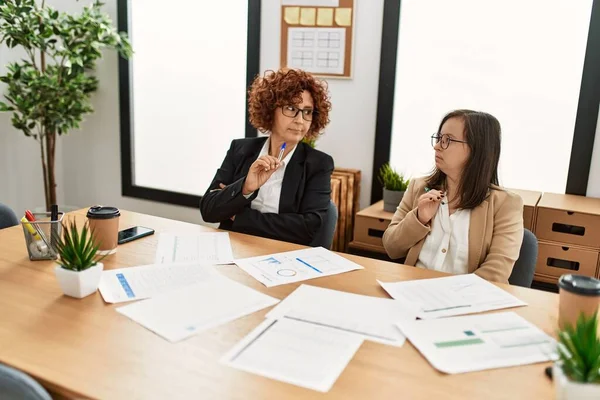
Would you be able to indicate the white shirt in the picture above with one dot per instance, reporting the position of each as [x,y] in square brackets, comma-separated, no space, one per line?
[446,248]
[267,200]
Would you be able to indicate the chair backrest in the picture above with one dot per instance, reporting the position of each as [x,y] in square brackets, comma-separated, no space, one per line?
[324,236]
[7,217]
[15,384]
[522,273]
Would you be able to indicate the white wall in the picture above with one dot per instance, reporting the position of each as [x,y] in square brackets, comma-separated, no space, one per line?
[350,138]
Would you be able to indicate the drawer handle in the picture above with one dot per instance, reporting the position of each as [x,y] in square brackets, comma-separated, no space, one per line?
[564,264]
[376,233]
[570,212]
[568,229]
[381,219]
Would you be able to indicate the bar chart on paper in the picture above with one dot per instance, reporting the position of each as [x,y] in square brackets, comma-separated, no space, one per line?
[295,266]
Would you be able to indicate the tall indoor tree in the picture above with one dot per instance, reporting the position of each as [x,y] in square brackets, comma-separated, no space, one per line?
[48,91]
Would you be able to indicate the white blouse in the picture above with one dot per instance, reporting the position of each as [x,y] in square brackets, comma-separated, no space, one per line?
[446,247]
[267,200]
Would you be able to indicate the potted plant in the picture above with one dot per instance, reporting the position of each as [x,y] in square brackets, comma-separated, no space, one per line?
[78,271]
[394,186]
[577,373]
[49,89]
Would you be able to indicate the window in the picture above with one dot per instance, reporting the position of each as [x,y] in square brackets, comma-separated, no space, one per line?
[522,61]
[183,94]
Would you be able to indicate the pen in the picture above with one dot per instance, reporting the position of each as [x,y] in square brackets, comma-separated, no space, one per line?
[54,230]
[281,152]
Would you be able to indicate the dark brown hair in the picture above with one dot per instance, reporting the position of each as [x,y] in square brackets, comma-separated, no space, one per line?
[483,135]
[283,88]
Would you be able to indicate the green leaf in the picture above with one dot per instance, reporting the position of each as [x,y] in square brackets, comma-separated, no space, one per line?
[5,107]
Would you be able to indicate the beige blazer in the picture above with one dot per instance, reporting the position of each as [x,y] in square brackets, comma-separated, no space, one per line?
[495,232]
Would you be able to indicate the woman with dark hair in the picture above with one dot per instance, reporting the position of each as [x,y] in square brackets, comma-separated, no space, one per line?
[458,220]
[276,186]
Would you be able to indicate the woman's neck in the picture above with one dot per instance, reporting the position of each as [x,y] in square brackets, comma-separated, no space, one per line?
[451,189]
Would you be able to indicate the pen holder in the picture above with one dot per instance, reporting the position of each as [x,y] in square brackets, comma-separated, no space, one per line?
[41,236]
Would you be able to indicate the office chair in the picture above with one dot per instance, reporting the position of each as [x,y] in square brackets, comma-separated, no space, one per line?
[7,217]
[324,237]
[16,385]
[522,273]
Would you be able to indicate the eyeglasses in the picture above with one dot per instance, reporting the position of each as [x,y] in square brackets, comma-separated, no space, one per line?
[292,112]
[444,140]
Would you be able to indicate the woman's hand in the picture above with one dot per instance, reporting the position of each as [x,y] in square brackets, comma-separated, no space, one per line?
[428,205]
[260,171]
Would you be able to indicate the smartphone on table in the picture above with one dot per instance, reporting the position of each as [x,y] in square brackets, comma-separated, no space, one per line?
[133,233]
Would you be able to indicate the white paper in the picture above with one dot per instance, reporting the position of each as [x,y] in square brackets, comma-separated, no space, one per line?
[181,313]
[478,342]
[137,283]
[451,295]
[299,353]
[373,318]
[208,247]
[311,3]
[295,266]
[317,50]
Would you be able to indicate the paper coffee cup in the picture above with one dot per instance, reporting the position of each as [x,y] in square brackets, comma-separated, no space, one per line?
[104,223]
[577,294]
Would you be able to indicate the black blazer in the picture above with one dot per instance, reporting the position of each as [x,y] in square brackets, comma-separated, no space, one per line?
[305,194]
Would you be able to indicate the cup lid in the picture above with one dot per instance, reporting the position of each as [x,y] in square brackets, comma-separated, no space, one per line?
[102,212]
[580,284]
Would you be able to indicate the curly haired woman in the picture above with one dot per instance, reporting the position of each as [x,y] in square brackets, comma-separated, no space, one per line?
[277,186]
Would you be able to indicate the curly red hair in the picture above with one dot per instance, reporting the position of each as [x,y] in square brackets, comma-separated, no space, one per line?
[282,88]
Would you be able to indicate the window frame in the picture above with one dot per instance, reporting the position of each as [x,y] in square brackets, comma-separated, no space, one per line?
[128,186]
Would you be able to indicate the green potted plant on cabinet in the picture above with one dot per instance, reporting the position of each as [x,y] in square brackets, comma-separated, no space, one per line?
[394,186]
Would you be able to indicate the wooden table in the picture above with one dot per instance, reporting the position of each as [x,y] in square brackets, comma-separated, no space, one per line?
[84,348]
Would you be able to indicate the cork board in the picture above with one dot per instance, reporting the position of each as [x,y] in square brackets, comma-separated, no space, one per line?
[317,36]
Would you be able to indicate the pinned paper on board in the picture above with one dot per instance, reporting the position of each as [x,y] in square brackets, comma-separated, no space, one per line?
[319,50]
[317,36]
[343,16]
[308,16]
[325,16]
[292,15]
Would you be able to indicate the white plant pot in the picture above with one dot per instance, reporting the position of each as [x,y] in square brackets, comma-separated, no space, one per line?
[566,389]
[79,284]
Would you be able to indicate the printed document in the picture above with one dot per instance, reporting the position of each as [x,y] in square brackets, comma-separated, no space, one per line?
[373,318]
[207,248]
[478,342]
[303,354]
[451,295]
[295,266]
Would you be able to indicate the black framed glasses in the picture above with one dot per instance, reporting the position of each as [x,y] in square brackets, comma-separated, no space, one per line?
[291,112]
[444,140]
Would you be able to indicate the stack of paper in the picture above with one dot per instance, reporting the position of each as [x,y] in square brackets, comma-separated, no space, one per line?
[178,314]
[310,337]
[137,283]
[373,318]
[208,248]
[452,295]
[295,266]
[479,342]
[302,354]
